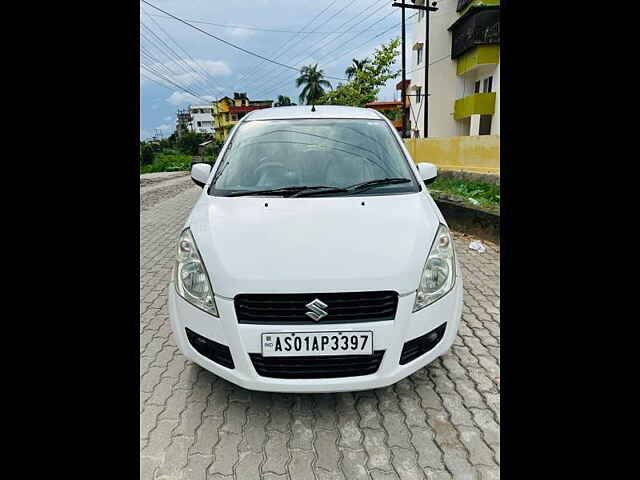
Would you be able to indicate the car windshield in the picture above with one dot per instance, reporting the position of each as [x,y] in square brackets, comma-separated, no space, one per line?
[305,154]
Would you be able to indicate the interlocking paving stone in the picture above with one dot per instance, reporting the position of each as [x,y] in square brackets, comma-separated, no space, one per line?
[443,422]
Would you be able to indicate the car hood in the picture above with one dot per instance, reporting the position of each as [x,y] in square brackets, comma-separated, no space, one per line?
[319,244]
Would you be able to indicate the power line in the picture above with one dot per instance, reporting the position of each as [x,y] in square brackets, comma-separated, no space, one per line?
[229,43]
[253,27]
[350,28]
[208,76]
[180,87]
[278,77]
[280,85]
[430,63]
[442,13]
[173,57]
[304,53]
[282,47]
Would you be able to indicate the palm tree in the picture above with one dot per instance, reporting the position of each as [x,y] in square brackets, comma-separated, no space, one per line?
[313,81]
[282,101]
[356,66]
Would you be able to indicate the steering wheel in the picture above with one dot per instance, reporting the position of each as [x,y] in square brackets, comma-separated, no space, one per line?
[264,165]
[272,173]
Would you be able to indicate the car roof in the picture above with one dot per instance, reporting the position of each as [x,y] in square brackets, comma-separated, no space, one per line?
[304,112]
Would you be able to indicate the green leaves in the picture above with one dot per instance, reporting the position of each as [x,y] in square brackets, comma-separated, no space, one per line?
[283,101]
[167,163]
[486,194]
[367,76]
[313,81]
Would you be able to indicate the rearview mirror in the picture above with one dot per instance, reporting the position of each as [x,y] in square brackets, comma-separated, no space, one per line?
[200,173]
[428,172]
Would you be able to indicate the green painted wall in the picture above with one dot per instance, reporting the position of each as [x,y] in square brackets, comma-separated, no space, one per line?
[480,3]
[476,104]
[480,55]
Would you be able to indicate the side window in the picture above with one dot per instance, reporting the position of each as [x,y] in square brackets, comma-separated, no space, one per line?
[477,87]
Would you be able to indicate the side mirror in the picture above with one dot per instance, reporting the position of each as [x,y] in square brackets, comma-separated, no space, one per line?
[200,173]
[428,172]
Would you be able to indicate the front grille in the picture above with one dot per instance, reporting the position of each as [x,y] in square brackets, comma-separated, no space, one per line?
[291,309]
[214,351]
[421,345]
[334,366]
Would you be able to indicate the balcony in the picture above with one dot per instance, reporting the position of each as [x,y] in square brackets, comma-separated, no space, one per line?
[480,25]
[464,5]
[478,56]
[476,104]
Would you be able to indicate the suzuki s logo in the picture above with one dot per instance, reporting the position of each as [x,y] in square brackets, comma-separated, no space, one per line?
[316,307]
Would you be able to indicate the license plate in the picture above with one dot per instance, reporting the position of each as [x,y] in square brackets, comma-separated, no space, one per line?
[293,344]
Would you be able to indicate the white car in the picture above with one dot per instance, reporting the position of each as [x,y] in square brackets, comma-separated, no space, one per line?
[315,259]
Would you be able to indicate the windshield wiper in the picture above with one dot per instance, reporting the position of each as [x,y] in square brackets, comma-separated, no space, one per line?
[359,187]
[318,190]
[294,191]
[303,190]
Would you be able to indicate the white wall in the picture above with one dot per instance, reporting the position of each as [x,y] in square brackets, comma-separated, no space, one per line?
[446,86]
[205,119]
[495,122]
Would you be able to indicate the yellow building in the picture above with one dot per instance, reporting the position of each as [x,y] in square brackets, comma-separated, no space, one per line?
[222,118]
[228,111]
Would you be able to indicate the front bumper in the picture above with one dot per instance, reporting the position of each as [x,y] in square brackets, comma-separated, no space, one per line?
[389,336]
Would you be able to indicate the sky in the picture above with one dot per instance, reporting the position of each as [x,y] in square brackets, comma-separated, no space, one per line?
[208,68]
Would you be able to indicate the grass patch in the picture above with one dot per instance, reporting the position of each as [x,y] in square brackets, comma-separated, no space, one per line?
[167,163]
[476,194]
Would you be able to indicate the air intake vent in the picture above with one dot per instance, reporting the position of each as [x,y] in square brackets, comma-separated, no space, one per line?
[214,351]
[317,367]
[421,345]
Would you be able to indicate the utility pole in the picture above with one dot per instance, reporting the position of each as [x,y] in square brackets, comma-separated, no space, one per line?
[426,67]
[404,72]
[427,9]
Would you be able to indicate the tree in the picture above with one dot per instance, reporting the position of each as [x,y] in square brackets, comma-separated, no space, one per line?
[365,84]
[313,81]
[189,142]
[212,150]
[146,154]
[282,101]
[356,66]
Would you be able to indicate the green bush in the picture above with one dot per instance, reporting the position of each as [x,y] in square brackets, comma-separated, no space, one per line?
[485,194]
[168,163]
[189,142]
[146,155]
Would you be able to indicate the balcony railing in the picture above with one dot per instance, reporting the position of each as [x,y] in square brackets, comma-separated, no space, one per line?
[480,27]
[476,104]
[478,56]
[463,5]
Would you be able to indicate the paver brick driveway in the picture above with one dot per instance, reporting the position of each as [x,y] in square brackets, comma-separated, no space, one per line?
[442,422]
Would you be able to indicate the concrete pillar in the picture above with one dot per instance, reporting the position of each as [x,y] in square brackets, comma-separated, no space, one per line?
[475,125]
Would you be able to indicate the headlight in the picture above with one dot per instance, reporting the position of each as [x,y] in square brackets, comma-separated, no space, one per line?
[192,281]
[439,272]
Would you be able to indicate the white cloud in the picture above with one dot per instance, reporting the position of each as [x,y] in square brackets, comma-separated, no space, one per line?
[183,98]
[241,32]
[166,128]
[181,74]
